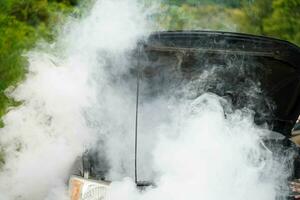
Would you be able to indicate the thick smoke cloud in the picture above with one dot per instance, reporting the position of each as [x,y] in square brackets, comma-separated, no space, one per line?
[80,94]
[42,137]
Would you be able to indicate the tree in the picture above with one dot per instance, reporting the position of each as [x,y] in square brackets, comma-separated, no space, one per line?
[284,22]
[22,23]
[254,14]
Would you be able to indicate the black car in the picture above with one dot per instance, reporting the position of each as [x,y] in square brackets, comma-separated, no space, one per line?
[179,56]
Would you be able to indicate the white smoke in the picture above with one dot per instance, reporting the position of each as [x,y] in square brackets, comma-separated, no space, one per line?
[195,152]
[76,96]
[42,137]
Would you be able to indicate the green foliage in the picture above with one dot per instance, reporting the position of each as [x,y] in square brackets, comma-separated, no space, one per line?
[12,63]
[276,18]
[284,21]
[254,15]
[22,23]
[187,17]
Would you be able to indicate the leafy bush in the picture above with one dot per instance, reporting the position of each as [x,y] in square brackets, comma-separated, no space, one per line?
[22,23]
[284,21]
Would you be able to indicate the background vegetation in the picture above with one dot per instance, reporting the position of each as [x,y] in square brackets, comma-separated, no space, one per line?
[276,18]
[24,22]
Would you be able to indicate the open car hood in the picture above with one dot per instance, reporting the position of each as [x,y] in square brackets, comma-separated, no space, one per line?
[279,63]
[238,62]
